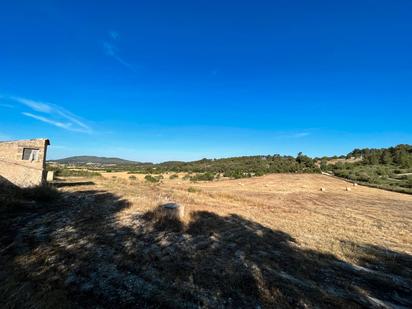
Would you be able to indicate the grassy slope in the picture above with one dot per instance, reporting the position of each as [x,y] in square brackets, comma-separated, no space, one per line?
[389,177]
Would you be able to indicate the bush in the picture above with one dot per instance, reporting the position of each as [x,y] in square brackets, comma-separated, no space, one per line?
[408,183]
[203,177]
[132,177]
[237,174]
[382,171]
[174,176]
[193,190]
[324,165]
[65,172]
[363,176]
[259,173]
[342,173]
[153,179]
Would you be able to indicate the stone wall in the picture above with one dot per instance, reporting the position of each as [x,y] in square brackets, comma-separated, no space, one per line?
[23,173]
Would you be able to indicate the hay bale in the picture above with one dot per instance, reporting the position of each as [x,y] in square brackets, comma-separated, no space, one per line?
[348,189]
[322,189]
[172,211]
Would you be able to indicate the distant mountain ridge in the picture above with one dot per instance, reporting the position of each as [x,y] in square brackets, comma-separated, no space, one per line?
[94,160]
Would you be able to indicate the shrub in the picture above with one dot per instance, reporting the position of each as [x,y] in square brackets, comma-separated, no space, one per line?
[342,173]
[174,176]
[259,173]
[203,177]
[381,171]
[324,165]
[193,190]
[152,179]
[237,174]
[408,183]
[132,177]
[363,176]
[65,172]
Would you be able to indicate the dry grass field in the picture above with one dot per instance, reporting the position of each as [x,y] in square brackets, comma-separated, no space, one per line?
[264,242]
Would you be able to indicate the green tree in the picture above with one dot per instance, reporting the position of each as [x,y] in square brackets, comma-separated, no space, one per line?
[386,157]
[304,160]
[324,165]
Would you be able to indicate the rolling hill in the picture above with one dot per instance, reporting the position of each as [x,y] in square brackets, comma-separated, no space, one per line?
[94,159]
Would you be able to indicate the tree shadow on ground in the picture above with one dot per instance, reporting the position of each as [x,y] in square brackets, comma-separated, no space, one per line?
[74,252]
[61,184]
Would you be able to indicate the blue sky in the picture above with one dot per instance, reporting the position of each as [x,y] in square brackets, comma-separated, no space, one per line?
[183,80]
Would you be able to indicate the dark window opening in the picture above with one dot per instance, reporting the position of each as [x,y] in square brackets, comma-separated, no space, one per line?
[30,154]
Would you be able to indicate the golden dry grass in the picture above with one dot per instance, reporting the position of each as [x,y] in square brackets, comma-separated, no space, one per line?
[289,202]
[271,241]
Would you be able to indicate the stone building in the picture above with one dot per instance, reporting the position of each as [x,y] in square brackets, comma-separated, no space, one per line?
[23,163]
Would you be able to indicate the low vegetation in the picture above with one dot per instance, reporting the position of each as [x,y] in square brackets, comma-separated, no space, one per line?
[237,167]
[193,190]
[388,168]
[70,172]
[204,177]
[153,179]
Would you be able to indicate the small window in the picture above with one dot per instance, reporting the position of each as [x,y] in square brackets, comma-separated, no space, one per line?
[30,154]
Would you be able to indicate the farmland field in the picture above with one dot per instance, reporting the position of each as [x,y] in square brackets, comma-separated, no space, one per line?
[268,241]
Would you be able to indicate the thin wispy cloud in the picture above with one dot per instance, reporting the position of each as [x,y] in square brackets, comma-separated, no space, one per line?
[301,134]
[35,105]
[112,51]
[47,120]
[52,114]
[294,135]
